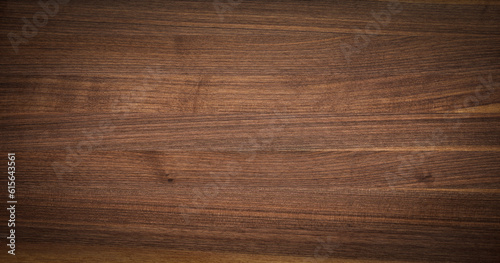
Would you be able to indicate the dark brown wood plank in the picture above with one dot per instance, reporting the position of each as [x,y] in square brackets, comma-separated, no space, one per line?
[276,131]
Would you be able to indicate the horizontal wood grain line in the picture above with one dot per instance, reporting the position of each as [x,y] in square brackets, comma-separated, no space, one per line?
[189,215]
[156,90]
[316,16]
[450,2]
[250,132]
[414,149]
[50,253]
[254,55]
[284,224]
[440,171]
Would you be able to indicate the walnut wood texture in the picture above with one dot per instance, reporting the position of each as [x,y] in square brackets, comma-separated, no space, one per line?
[270,131]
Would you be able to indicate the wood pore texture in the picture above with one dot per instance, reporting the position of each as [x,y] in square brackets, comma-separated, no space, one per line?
[252,131]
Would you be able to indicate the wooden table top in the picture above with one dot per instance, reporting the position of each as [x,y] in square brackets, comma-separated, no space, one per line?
[250,131]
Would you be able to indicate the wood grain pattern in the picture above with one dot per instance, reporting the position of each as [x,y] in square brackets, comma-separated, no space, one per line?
[275,131]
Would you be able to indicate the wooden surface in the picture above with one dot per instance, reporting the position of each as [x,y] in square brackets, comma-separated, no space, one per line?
[257,131]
